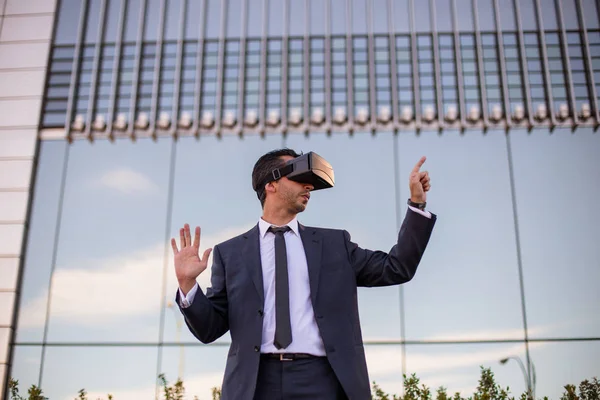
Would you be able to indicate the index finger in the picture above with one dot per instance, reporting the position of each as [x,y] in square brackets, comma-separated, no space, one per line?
[419,164]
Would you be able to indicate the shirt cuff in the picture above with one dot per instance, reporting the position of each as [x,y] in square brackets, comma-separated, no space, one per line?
[186,301]
[423,213]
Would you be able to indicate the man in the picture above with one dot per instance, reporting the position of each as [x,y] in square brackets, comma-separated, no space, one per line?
[288,293]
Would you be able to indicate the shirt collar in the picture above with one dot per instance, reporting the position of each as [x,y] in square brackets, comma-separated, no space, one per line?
[263,227]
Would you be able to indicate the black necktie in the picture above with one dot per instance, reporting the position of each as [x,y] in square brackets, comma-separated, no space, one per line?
[283,327]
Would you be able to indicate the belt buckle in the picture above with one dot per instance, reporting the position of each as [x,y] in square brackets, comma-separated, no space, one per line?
[282,357]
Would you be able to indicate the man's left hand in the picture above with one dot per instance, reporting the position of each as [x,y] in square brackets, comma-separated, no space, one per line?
[419,183]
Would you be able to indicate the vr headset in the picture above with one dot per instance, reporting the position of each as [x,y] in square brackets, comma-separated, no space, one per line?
[308,168]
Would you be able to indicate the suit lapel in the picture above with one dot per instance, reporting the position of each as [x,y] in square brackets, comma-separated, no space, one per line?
[252,254]
[312,241]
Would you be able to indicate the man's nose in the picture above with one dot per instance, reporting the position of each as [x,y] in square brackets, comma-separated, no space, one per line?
[308,187]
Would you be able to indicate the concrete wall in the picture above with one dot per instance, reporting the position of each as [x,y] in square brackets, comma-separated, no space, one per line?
[25,35]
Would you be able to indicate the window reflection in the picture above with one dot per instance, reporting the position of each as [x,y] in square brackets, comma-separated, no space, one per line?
[557,246]
[39,253]
[125,372]
[458,367]
[374,227]
[467,285]
[111,241]
[200,367]
[194,203]
[26,364]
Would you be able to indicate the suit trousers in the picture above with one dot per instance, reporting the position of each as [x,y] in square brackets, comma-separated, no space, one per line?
[309,378]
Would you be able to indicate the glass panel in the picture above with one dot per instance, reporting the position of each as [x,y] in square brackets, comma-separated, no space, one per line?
[94,9]
[234,18]
[384,364]
[488,257]
[528,14]
[443,15]
[172,26]
[67,22]
[102,198]
[421,16]
[297,17]
[152,19]
[553,167]
[590,14]
[124,372]
[195,162]
[553,373]
[133,20]
[359,16]
[194,20]
[458,367]
[38,260]
[317,17]
[464,15]
[379,10]
[372,228]
[201,368]
[26,366]
[113,15]
[401,16]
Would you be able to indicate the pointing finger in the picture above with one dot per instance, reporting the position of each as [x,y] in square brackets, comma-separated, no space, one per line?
[419,164]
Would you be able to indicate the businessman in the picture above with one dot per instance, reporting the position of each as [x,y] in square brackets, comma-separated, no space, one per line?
[287,293]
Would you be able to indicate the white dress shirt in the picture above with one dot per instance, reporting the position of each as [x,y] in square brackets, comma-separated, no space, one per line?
[305,332]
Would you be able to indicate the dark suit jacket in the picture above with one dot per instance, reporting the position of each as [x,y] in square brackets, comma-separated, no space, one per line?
[336,267]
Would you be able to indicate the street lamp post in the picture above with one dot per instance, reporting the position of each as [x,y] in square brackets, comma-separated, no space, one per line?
[179,324]
[529,383]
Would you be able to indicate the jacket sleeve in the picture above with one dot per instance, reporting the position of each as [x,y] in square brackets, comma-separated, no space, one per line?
[207,316]
[377,268]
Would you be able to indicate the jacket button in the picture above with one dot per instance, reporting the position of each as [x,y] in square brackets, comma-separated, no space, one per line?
[256,348]
[261,313]
[319,317]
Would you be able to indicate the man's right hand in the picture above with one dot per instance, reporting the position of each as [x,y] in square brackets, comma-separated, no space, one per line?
[188,265]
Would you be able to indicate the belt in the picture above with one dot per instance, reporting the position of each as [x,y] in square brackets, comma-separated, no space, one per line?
[287,356]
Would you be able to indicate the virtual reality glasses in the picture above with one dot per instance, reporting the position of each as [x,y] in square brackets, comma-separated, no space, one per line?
[309,168]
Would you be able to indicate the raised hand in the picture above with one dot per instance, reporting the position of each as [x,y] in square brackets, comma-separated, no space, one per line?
[419,182]
[188,264]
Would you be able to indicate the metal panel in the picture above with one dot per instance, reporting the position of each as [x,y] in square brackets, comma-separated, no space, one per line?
[95,68]
[328,110]
[284,65]
[199,68]
[567,61]
[480,66]
[221,69]
[524,69]
[157,66]
[136,71]
[502,62]
[415,65]
[436,65]
[371,61]
[542,36]
[588,64]
[75,70]
[242,67]
[263,68]
[306,59]
[393,63]
[459,70]
[178,69]
[115,75]
[349,66]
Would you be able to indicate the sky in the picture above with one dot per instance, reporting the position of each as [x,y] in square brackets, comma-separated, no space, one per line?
[113,269]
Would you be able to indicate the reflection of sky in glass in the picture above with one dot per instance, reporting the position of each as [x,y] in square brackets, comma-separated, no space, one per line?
[107,281]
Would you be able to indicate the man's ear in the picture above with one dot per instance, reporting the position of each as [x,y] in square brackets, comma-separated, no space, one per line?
[271,187]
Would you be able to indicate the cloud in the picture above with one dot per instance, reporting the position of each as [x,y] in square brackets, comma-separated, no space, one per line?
[102,291]
[196,385]
[128,181]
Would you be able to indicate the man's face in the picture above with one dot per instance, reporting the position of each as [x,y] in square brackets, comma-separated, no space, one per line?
[291,194]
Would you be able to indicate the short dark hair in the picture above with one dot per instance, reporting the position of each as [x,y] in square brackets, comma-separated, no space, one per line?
[263,168]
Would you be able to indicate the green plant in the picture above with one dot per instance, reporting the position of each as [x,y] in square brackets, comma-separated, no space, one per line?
[487,389]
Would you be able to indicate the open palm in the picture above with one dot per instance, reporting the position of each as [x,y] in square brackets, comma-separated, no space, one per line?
[188,264]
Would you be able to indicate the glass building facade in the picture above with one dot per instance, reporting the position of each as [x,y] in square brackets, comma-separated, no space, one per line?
[154,112]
